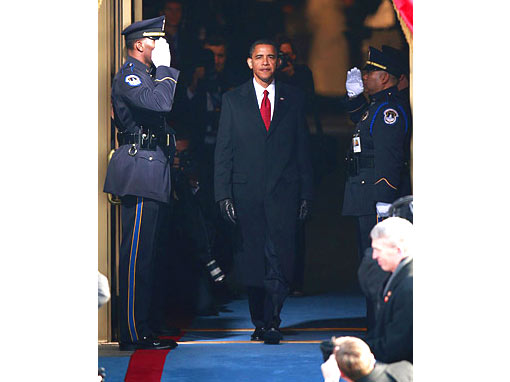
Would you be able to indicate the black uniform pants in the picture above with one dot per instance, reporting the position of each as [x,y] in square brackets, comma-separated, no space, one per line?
[136,266]
[266,303]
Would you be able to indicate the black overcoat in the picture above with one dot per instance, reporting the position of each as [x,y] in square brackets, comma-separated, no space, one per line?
[392,339]
[394,372]
[266,173]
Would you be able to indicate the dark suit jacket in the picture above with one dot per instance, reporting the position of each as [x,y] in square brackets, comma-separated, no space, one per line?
[392,339]
[266,173]
[394,372]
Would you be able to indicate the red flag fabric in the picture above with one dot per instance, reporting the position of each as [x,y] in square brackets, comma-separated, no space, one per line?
[405,12]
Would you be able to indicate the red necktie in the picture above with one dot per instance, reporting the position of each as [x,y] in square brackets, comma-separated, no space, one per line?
[265,109]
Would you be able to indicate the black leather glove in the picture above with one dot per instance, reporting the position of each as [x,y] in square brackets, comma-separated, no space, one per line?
[228,211]
[304,209]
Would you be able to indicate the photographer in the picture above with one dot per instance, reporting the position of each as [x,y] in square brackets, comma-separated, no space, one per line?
[352,359]
[195,235]
[297,75]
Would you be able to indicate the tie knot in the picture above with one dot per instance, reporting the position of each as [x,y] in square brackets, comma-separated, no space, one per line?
[266,93]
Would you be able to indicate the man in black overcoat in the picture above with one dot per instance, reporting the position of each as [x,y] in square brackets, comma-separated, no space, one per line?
[392,337]
[264,183]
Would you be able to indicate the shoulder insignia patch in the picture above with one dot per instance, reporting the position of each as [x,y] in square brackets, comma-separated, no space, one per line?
[390,116]
[133,80]
[365,115]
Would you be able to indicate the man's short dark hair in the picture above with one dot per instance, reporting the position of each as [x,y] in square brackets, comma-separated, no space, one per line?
[215,41]
[263,41]
[282,39]
[130,44]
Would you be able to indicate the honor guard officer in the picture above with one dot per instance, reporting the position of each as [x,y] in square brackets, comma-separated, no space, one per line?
[376,159]
[139,172]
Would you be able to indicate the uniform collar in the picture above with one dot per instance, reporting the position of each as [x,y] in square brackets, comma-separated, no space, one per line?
[138,64]
[383,94]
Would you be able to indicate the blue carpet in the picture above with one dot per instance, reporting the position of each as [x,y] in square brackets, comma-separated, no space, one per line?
[204,355]
[244,363]
[115,367]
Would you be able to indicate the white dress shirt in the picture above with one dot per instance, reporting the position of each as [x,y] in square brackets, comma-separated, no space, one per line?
[259,91]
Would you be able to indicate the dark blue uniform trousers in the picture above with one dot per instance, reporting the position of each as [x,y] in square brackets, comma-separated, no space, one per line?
[266,303]
[136,265]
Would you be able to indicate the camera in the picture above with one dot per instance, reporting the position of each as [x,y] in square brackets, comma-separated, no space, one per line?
[327,348]
[284,60]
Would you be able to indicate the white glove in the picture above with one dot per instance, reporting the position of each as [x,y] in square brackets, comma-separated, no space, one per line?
[383,209]
[161,54]
[354,83]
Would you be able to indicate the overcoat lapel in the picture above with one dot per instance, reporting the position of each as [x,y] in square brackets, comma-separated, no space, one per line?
[251,104]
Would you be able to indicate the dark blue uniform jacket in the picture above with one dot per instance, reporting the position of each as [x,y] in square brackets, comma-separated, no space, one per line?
[141,101]
[375,173]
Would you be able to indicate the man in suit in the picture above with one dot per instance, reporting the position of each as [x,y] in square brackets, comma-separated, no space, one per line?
[264,183]
[139,173]
[353,360]
[392,337]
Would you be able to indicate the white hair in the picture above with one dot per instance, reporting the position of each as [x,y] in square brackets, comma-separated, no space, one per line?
[396,230]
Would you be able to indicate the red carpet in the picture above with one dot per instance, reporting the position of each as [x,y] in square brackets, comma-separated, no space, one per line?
[146,365]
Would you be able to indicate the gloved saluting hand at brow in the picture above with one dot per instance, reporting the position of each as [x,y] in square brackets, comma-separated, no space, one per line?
[354,83]
[161,54]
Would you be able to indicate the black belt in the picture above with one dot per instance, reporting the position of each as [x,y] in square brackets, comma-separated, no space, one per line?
[145,140]
[355,164]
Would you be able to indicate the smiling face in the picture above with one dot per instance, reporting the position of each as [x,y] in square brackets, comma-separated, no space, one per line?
[263,63]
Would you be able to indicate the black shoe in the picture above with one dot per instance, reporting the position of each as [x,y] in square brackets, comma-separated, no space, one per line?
[167,332]
[258,334]
[272,336]
[148,343]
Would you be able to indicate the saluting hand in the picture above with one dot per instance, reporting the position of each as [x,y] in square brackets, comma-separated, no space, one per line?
[161,53]
[354,83]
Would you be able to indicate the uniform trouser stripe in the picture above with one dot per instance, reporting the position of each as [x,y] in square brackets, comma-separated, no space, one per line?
[132,270]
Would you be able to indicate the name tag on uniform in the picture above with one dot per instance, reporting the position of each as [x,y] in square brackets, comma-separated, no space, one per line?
[356,144]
